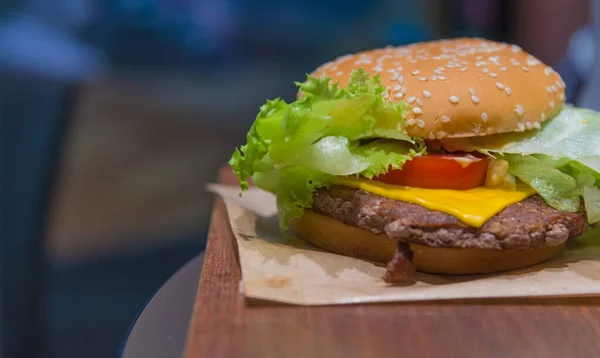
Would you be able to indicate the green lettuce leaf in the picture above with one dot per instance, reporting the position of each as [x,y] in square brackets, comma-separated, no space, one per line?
[295,191]
[561,182]
[559,161]
[559,189]
[574,134]
[591,197]
[292,149]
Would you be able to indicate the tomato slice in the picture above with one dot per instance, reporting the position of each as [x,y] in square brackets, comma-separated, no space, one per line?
[440,171]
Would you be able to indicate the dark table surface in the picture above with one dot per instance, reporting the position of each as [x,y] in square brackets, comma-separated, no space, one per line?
[161,328]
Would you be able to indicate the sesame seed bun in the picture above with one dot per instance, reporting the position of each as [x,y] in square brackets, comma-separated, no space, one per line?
[335,236]
[460,87]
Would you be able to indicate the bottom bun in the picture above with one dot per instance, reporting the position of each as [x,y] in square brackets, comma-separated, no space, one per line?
[335,236]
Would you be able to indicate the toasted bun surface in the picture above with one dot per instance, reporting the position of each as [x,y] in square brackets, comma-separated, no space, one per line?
[335,236]
[461,87]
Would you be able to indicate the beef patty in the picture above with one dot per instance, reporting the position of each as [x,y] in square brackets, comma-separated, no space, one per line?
[525,225]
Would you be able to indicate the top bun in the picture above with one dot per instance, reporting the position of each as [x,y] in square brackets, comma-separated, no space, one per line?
[460,87]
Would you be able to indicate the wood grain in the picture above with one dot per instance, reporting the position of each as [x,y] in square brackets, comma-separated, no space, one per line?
[225,325]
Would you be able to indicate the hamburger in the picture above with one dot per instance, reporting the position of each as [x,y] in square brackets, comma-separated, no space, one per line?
[455,156]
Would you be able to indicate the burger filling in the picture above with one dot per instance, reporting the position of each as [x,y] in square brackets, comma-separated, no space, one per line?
[353,137]
[525,225]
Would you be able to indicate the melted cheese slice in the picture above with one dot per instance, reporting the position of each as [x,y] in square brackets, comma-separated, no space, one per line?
[473,207]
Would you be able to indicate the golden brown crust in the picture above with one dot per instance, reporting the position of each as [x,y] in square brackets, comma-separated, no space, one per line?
[461,87]
[337,237]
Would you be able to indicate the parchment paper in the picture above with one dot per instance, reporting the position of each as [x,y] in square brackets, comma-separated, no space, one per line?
[292,271]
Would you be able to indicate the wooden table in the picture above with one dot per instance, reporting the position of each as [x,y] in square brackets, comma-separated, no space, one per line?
[225,325]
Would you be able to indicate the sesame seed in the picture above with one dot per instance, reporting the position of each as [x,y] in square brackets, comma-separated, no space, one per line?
[449,65]
[485,70]
[478,64]
[399,68]
[411,99]
[363,61]
[528,125]
[514,62]
[476,127]
[554,89]
[422,79]
[434,78]
[415,72]
[543,116]
[502,69]
[552,104]
[419,101]
[548,89]
[489,130]
[475,99]
[441,134]
[484,117]
[521,127]
[537,125]
[562,97]
[525,68]
[397,88]
[442,78]
[445,119]
[437,71]
[519,110]
[420,123]
[399,95]
[417,110]
[493,74]
[532,61]
[410,122]
[431,136]
[426,94]
[391,70]
[404,90]
[500,85]
[472,91]
[508,91]
[453,99]
[339,73]
[479,58]
[547,71]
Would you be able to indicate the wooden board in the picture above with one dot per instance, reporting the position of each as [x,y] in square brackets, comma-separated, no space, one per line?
[225,325]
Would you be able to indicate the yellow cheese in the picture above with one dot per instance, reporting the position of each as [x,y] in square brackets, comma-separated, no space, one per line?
[473,207]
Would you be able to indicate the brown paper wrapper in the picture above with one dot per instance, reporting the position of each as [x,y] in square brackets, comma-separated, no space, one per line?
[292,271]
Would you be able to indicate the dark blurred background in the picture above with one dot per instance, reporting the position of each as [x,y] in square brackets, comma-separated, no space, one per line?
[114,114]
